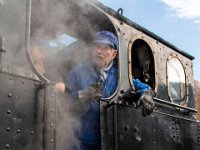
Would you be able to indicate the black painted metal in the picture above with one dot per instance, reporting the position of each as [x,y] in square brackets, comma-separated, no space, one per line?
[28,110]
[49,128]
[107,127]
[21,125]
[153,132]
[115,114]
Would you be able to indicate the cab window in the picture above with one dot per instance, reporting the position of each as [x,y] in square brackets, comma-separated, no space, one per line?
[176,81]
[143,62]
[60,41]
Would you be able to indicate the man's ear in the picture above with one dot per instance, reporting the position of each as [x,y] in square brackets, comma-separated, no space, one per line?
[114,54]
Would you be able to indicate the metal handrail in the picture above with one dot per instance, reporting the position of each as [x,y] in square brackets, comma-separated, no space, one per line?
[174,105]
[159,101]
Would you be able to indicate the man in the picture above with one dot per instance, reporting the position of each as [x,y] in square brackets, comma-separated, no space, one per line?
[88,82]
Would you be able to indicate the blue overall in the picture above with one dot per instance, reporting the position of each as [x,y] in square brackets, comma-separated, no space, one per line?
[80,78]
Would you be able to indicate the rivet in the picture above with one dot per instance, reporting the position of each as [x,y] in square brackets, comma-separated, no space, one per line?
[178,137]
[51,109]
[138,137]
[10,78]
[10,95]
[32,132]
[8,129]
[122,92]
[7,146]
[18,131]
[136,129]
[174,136]
[36,83]
[126,128]
[8,111]
[52,124]
[51,141]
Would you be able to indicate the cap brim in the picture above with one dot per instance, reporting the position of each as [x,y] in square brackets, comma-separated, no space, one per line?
[103,42]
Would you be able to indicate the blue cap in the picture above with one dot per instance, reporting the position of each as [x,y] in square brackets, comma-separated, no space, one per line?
[106,37]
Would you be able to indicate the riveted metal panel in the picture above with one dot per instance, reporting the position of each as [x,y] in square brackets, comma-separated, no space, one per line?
[153,132]
[7,112]
[21,110]
[49,117]
[107,134]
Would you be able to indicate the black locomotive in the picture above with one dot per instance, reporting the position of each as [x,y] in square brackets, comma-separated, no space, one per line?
[42,40]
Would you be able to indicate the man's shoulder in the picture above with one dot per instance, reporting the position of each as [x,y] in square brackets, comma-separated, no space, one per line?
[113,69]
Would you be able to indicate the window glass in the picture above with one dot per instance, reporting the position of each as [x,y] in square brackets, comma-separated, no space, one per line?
[176,81]
[48,55]
[61,37]
[62,41]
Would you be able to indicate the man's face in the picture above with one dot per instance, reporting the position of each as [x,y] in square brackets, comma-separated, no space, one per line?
[103,54]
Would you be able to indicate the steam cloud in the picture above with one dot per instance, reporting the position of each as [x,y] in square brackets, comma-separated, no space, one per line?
[49,20]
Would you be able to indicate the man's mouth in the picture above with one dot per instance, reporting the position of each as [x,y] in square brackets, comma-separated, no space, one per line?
[99,57]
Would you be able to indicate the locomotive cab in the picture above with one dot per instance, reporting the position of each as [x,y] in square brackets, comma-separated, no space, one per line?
[42,41]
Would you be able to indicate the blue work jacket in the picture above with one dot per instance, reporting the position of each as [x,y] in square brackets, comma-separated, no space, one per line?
[80,78]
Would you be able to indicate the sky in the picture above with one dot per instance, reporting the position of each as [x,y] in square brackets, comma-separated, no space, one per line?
[176,21]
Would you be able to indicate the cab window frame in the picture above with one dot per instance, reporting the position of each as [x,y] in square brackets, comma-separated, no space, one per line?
[80,35]
[183,98]
[151,58]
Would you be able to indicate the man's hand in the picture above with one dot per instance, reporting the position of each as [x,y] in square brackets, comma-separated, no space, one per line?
[129,97]
[93,92]
[146,100]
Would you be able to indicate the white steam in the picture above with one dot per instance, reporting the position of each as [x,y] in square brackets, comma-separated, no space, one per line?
[50,20]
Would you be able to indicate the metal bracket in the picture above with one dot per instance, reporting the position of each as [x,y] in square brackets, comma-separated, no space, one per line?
[120,11]
[2,51]
[2,47]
